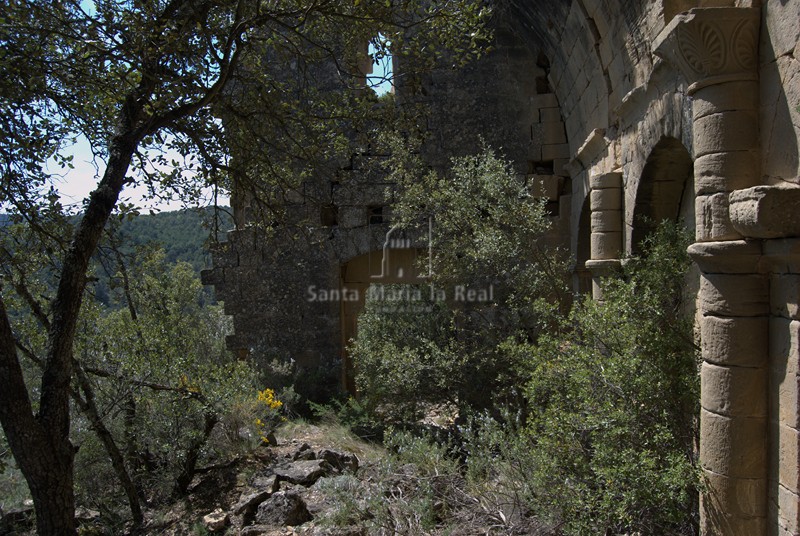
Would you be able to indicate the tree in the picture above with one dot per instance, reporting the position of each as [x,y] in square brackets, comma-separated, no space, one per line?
[135,79]
[488,235]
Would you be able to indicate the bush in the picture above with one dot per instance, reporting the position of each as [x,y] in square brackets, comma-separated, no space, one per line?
[613,403]
[488,235]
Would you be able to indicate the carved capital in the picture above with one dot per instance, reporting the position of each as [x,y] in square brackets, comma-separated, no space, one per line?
[712,45]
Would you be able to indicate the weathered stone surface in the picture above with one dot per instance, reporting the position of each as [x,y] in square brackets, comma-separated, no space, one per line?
[606,221]
[785,295]
[744,498]
[726,171]
[783,255]
[733,295]
[733,446]
[712,218]
[304,472]
[766,211]
[784,344]
[733,391]
[789,509]
[733,506]
[726,131]
[256,530]
[784,395]
[269,483]
[728,257]
[605,181]
[730,97]
[608,199]
[248,503]
[216,520]
[304,453]
[341,461]
[606,245]
[281,509]
[735,341]
[785,443]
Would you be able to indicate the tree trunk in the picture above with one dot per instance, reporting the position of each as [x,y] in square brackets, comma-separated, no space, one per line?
[45,460]
[89,408]
[193,455]
[40,443]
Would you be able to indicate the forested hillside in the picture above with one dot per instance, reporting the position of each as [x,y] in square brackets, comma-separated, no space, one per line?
[183,234]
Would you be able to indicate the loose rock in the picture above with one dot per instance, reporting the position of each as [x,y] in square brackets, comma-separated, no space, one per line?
[283,508]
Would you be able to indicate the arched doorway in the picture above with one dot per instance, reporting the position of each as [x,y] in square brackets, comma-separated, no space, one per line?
[401,265]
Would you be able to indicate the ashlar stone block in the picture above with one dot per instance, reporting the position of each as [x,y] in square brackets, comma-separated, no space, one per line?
[742,498]
[606,245]
[610,199]
[733,391]
[726,131]
[726,171]
[735,341]
[789,509]
[733,446]
[785,295]
[606,221]
[551,152]
[784,465]
[712,218]
[783,395]
[766,211]
[733,295]
[784,344]
[733,96]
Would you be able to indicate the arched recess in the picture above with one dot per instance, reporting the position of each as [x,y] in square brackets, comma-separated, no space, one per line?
[665,192]
[582,277]
[399,265]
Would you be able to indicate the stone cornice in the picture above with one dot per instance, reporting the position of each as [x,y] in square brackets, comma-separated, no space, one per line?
[712,45]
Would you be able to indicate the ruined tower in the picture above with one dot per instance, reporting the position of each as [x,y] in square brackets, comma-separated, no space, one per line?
[676,109]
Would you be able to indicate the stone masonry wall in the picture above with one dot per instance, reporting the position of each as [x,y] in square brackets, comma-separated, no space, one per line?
[676,108]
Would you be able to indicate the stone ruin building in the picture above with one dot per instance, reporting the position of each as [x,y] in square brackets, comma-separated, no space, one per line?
[678,109]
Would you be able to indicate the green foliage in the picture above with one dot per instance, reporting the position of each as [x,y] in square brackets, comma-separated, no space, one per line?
[166,375]
[613,404]
[488,230]
[404,358]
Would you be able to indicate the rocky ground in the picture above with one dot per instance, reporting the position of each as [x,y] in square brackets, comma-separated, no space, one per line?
[322,481]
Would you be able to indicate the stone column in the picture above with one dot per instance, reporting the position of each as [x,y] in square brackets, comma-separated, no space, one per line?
[716,49]
[734,307]
[605,202]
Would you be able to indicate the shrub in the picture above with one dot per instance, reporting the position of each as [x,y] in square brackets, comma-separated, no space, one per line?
[613,404]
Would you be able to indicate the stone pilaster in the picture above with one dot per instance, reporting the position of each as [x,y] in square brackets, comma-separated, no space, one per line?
[605,202]
[716,49]
[734,308]
[783,256]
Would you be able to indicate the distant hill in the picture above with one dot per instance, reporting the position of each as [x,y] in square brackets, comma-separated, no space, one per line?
[184,234]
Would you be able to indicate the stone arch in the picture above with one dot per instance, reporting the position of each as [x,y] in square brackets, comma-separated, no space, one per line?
[665,190]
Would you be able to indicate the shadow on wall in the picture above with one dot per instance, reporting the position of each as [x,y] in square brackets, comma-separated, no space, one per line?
[780,106]
[665,191]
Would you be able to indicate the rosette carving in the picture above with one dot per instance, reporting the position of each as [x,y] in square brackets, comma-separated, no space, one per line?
[712,45]
[703,48]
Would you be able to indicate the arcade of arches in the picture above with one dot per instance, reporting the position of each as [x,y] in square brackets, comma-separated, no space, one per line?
[624,112]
